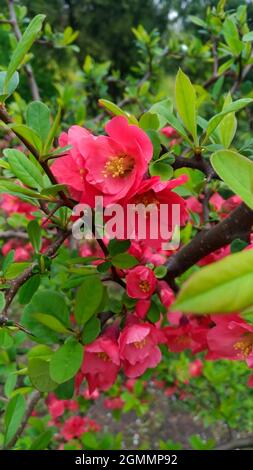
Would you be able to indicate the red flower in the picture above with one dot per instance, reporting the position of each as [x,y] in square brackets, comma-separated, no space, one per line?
[195,368]
[114,403]
[73,427]
[141,282]
[138,347]
[101,363]
[231,338]
[169,132]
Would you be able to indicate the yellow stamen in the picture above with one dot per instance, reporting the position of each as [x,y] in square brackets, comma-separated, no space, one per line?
[118,166]
[144,286]
[140,344]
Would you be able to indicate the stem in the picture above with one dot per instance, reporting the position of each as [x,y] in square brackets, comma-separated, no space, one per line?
[27,67]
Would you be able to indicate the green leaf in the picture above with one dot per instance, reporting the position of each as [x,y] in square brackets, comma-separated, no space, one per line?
[24,169]
[34,232]
[232,37]
[38,371]
[91,330]
[236,171]
[53,190]
[149,121]
[66,361]
[13,416]
[161,169]
[153,313]
[53,131]
[238,245]
[248,37]
[6,340]
[124,261]
[51,322]
[117,111]
[186,103]
[12,85]
[118,246]
[23,47]
[2,301]
[88,299]
[48,302]
[8,260]
[28,289]
[38,119]
[228,125]
[160,271]
[42,441]
[65,391]
[156,143]
[15,269]
[176,124]
[231,108]
[28,134]
[12,188]
[221,287]
[163,109]
[198,21]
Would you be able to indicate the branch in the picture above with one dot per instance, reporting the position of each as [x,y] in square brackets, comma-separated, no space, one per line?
[27,67]
[197,164]
[30,407]
[237,225]
[237,444]
[5,235]
[29,272]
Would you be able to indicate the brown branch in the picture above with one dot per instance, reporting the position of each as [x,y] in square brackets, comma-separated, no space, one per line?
[244,442]
[237,225]
[5,235]
[30,407]
[27,67]
[29,272]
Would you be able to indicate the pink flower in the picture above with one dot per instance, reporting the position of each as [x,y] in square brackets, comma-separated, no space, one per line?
[195,368]
[91,396]
[169,132]
[114,403]
[141,282]
[56,407]
[165,293]
[162,200]
[11,204]
[73,427]
[116,164]
[250,381]
[138,347]
[22,251]
[101,362]
[231,338]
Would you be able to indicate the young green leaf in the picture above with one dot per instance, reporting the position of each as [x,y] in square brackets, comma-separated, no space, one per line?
[28,289]
[232,37]
[117,111]
[66,361]
[124,261]
[24,169]
[38,119]
[12,85]
[51,322]
[34,232]
[236,171]
[118,246]
[231,108]
[38,371]
[228,125]
[161,169]
[14,413]
[23,47]
[28,134]
[91,330]
[214,288]
[186,104]
[2,301]
[88,299]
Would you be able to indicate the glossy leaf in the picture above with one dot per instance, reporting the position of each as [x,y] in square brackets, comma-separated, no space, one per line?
[186,103]
[236,171]
[221,287]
